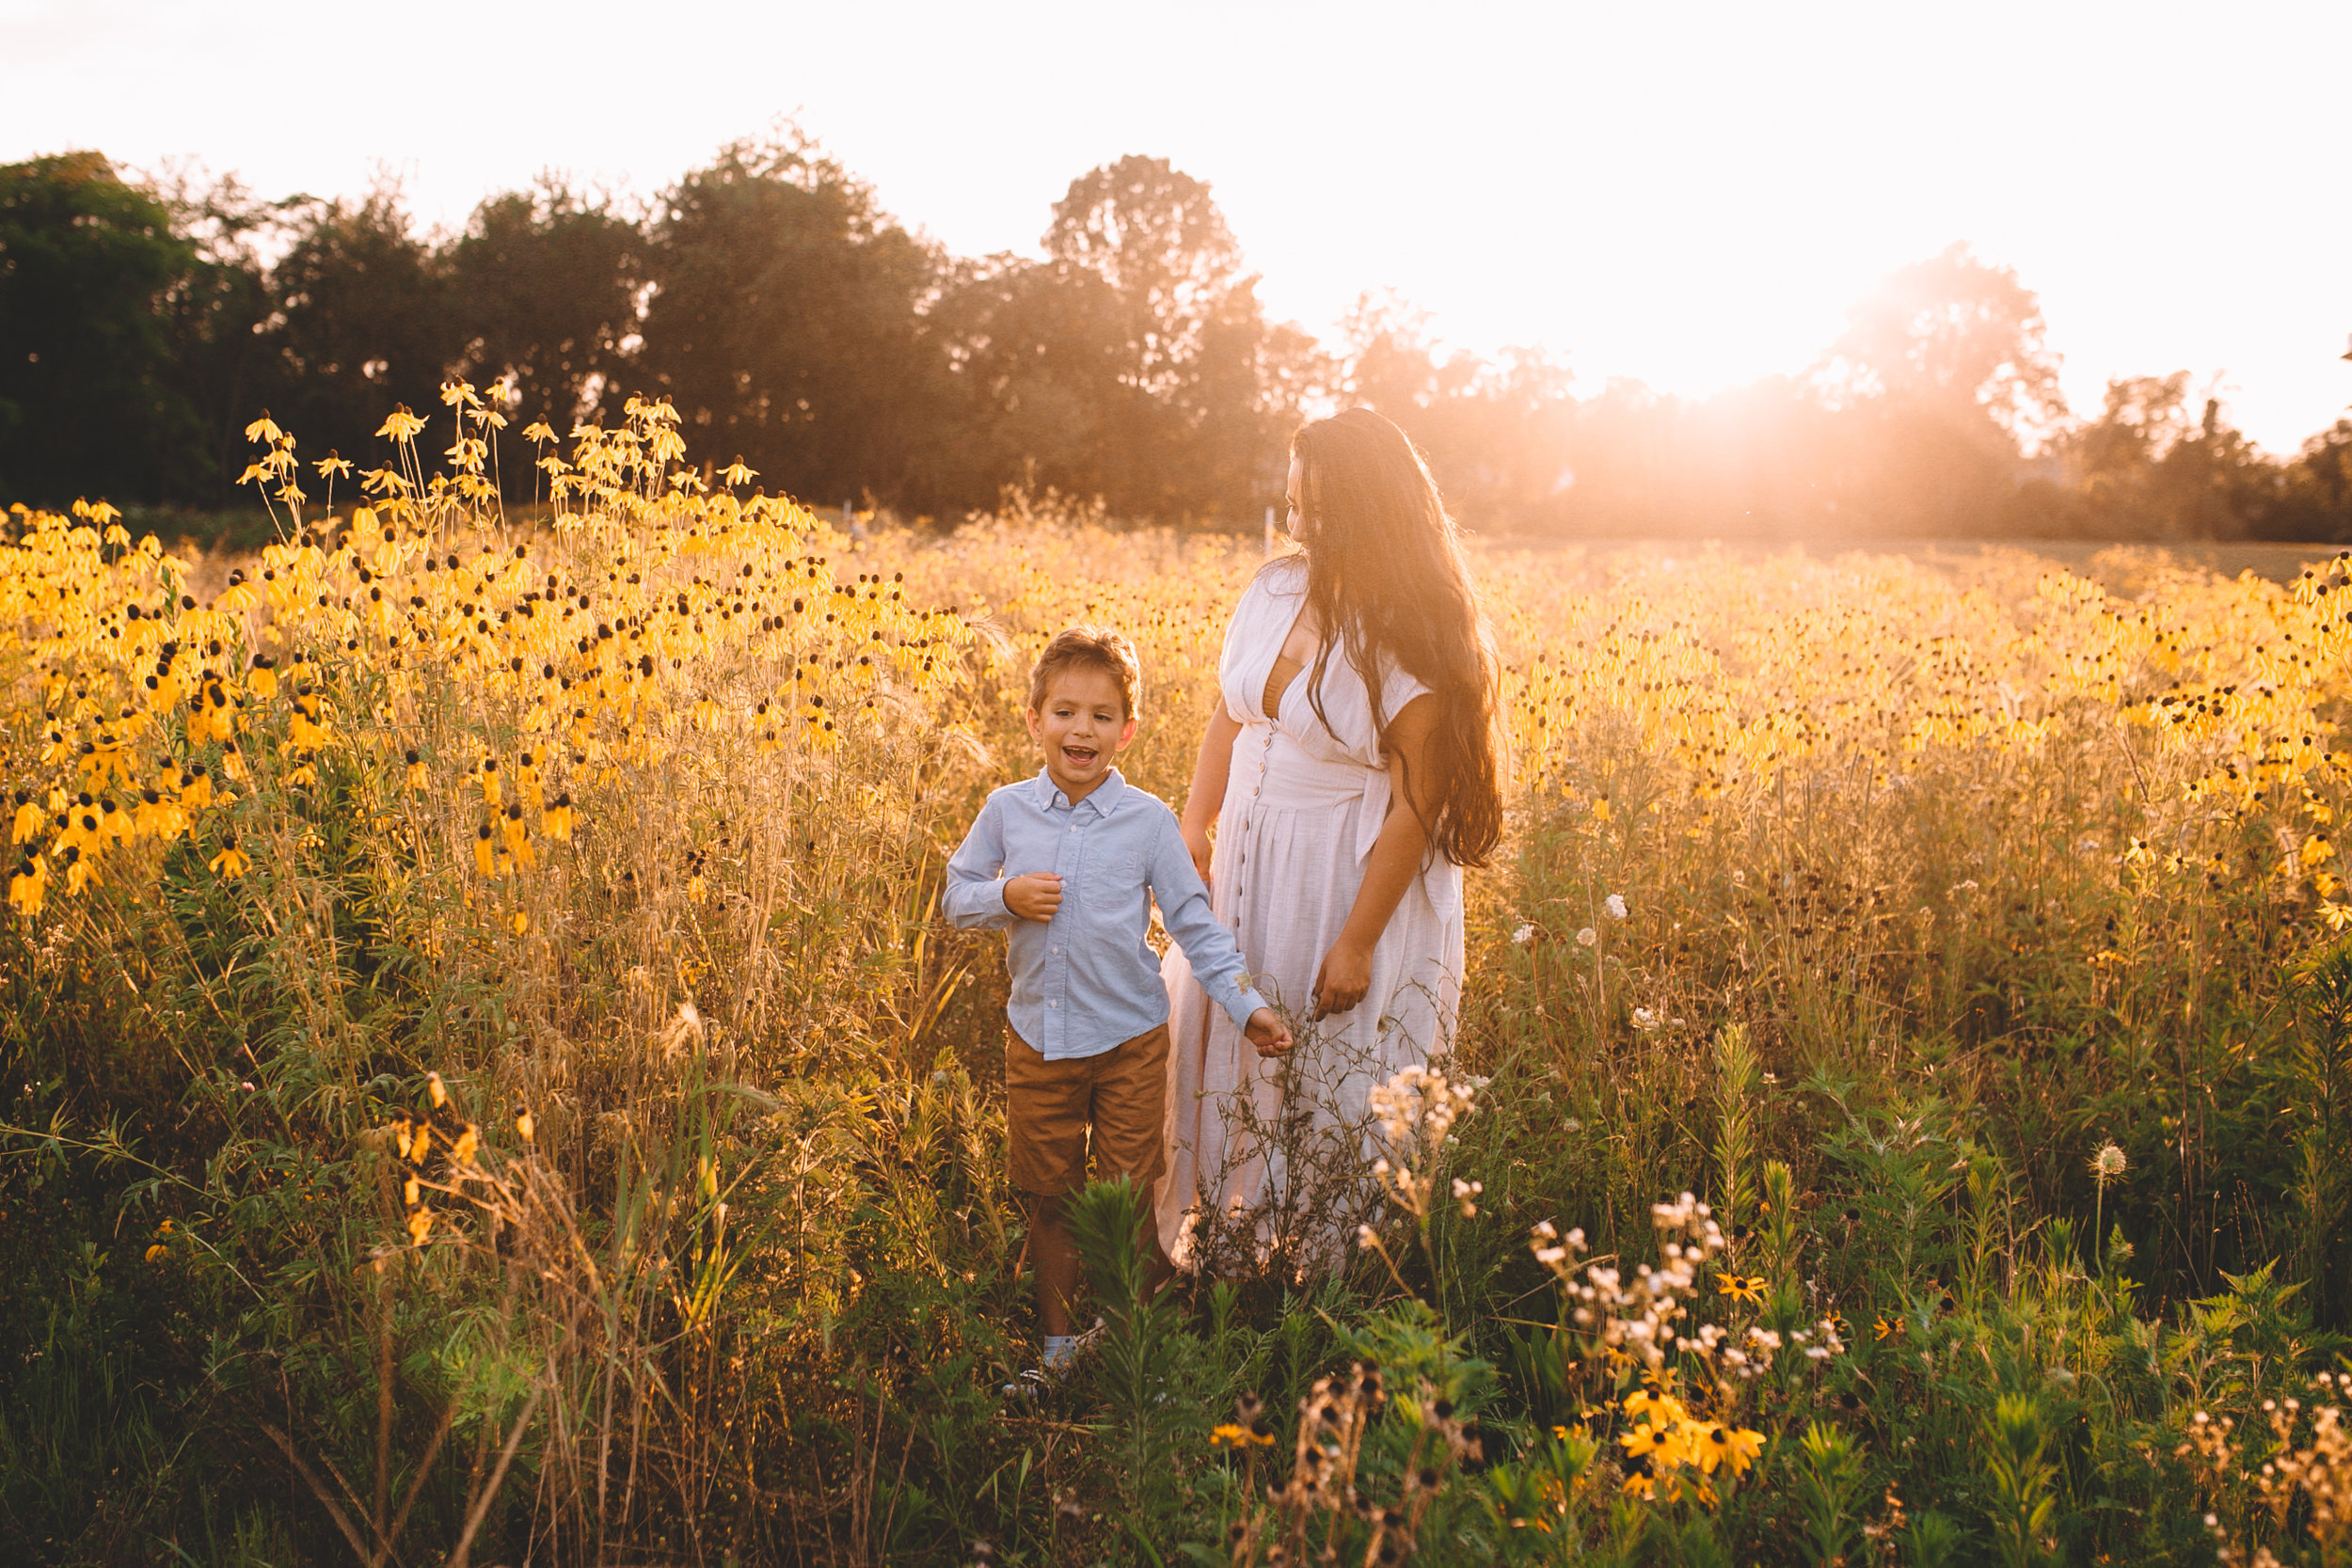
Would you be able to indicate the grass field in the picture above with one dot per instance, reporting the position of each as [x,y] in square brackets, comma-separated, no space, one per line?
[487,1082]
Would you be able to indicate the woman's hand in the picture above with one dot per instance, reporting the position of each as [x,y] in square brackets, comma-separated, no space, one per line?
[1197,843]
[1342,980]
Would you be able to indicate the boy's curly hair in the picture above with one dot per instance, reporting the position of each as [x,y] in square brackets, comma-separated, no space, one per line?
[1089,648]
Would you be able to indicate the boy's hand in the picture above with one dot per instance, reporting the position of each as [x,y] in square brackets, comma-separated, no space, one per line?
[1269,1032]
[1034,896]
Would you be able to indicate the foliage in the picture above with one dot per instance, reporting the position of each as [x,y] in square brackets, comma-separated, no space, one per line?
[493,1084]
[823,343]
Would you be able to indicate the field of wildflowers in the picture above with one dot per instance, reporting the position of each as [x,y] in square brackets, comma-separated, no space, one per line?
[485,1082]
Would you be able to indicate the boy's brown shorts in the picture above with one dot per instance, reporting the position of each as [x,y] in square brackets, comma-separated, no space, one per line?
[1122,1094]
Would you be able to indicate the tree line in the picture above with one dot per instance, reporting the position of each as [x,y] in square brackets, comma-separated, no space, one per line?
[800,327]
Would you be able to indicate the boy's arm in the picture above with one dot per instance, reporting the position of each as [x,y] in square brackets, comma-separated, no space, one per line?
[975,896]
[1183,901]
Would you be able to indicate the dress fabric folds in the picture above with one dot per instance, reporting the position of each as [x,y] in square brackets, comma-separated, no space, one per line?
[1274,1155]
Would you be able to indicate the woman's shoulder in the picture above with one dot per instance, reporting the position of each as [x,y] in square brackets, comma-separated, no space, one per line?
[1284,576]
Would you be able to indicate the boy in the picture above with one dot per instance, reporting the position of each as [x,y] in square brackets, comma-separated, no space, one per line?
[1068,863]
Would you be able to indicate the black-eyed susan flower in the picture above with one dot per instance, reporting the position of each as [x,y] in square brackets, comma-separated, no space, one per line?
[28,886]
[484,851]
[524,1127]
[1740,1287]
[518,836]
[556,821]
[232,862]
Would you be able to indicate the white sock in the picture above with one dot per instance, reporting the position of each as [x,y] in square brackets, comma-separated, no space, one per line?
[1059,1350]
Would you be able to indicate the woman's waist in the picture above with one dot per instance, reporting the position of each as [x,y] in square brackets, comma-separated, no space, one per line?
[1286,774]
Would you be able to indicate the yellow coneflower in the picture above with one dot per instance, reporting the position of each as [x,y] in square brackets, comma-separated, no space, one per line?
[262,680]
[28,819]
[157,817]
[484,851]
[517,838]
[416,769]
[232,862]
[556,821]
[196,788]
[520,923]
[28,886]
[523,1124]
[467,1141]
[420,1224]
[1748,1288]
[490,793]
[435,1090]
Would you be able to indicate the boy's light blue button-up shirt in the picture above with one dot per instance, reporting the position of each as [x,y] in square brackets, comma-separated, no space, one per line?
[1086,980]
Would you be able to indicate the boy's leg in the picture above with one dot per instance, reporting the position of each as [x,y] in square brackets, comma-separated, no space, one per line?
[1131,1131]
[1045,1124]
[1055,1258]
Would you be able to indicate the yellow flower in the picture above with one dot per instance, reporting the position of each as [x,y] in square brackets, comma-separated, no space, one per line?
[402,426]
[1748,1288]
[435,1090]
[28,816]
[232,861]
[27,887]
[1887,1328]
[484,851]
[1741,1447]
[556,821]
[523,1125]
[420,1223]
[262,680]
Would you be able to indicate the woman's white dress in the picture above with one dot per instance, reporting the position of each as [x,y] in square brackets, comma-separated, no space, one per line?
[1272,1154]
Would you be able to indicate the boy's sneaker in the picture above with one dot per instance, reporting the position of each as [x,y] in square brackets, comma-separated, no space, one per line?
[1060,1354]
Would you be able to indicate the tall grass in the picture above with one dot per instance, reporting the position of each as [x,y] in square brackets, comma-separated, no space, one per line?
[517,1102]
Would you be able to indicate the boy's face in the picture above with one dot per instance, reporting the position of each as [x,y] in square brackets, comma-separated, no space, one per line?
[1082,725]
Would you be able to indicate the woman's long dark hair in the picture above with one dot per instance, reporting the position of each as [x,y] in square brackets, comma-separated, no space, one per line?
[1388,582]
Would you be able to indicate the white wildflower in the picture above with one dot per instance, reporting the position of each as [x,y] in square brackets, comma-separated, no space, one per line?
[1587,937]
[1614,904]
[1525,934]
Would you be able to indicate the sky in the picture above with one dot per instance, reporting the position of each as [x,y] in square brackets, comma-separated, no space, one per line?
[1689,194]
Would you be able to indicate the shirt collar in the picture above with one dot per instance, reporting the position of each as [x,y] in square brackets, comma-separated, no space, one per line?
[1103,799]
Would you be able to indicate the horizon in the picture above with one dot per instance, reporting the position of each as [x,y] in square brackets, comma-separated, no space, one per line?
[1695,209]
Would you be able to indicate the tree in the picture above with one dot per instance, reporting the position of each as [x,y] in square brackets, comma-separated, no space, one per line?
[363,323]
[2145,469]
[1943,381]
[89,267]
[1204,386]
[783,321]
[1495,434]
[544,286]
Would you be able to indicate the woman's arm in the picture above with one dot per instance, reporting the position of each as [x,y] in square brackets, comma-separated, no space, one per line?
[1395,860]
[1207,795]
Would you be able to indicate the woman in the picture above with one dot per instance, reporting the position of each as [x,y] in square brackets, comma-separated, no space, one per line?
[1351,772]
